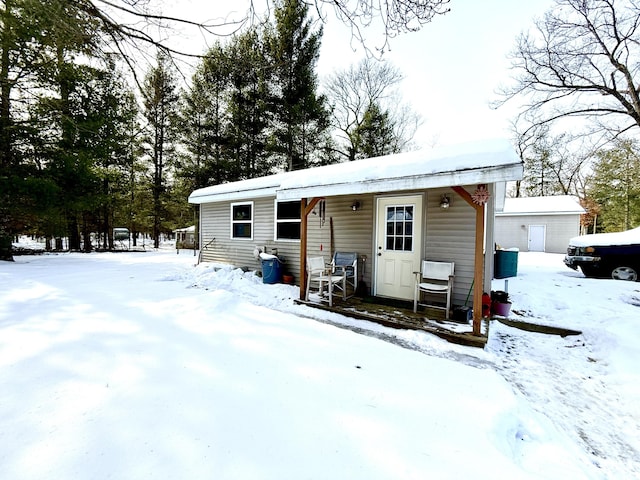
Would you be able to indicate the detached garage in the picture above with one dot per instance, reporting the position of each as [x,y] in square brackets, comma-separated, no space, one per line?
[538,224]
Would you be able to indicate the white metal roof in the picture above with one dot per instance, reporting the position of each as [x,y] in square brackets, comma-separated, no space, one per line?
[478,162]
[549,205]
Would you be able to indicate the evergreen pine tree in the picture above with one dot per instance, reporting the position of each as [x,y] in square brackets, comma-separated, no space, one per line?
[300,113]
[161,109]
[374,137]
[615,186]
[205,120]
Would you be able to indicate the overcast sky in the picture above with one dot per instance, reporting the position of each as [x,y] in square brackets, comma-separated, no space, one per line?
[452,66]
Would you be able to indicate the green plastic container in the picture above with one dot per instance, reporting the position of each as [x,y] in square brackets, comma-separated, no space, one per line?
[505,263]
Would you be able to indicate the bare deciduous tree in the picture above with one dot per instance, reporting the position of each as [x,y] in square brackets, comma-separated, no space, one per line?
[581,61]
[552,168]
[394,16]
[129,22]
[356,90]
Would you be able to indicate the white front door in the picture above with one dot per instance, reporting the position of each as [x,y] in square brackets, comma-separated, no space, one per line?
[537,234]
[398,245]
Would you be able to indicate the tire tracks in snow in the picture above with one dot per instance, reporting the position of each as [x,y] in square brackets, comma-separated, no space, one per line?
[564,380]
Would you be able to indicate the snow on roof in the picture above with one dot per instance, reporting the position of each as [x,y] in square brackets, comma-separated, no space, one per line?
[243,189]
[549,205]
[192,228]
[477,162]
[629,237]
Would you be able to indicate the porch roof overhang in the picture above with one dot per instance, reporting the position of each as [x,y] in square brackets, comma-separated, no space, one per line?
[385,184]
[472,163]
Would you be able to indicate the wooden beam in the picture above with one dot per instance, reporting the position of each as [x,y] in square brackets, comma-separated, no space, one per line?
[478,259]
[305,210]
[466,195]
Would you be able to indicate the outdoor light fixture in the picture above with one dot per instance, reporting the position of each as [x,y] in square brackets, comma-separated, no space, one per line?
[445,202]
[355,205]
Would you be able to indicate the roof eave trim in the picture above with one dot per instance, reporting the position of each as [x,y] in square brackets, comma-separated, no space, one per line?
[501,173]
[234,195]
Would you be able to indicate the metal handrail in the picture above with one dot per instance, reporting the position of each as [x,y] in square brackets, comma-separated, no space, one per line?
[204,248]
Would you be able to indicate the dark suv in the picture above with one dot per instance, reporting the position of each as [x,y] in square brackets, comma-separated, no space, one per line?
[606,255]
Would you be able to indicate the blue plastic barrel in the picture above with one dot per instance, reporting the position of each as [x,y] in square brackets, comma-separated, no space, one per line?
[271,270]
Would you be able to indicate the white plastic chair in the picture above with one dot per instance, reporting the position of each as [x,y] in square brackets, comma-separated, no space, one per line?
[320,275]
[435,278]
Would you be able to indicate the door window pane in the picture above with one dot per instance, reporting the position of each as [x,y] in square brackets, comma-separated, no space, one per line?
[408,229]
[390,226]
[399,228]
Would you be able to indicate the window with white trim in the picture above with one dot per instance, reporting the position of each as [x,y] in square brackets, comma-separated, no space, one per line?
[287,220]
[242,220]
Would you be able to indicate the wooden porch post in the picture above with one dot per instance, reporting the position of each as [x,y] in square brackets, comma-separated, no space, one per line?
[478,259]
[478,270]
[305,210]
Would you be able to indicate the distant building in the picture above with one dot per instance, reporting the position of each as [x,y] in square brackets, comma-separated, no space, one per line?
[538,224]
[185,237]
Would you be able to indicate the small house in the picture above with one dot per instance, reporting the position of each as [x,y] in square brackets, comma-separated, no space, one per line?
[538,224]
[394,211]
[185,237]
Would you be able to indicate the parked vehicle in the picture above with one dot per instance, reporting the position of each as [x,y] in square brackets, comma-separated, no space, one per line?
[120,233]
[606,255]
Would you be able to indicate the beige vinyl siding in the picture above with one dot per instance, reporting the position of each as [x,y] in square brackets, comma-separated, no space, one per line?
[352,231]
[218,246]
[449,234]
[216,223]
[450,237]
[513,231]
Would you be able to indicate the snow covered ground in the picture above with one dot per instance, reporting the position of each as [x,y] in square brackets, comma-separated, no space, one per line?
[140,365]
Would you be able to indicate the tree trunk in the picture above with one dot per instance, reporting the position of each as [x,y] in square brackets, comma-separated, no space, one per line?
[5,138]
[5,92]
[157,187]
[5,248]
[73,233]
[86,235]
